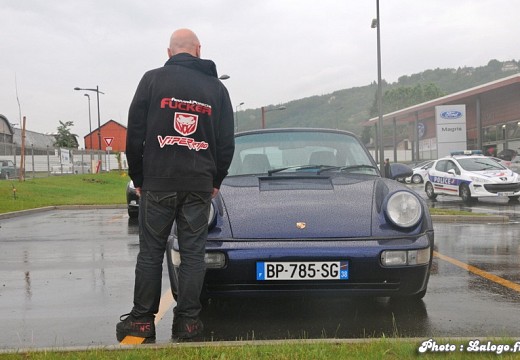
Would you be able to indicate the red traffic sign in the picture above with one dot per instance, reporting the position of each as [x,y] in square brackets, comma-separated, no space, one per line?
[108,140]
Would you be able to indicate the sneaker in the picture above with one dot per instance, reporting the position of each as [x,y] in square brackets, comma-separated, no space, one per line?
[186,329]
[140,327]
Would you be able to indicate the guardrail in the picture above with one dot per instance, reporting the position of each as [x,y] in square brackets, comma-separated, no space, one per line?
[48,162]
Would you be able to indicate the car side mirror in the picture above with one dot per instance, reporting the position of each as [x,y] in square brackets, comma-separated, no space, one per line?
[400,171]
[452,172]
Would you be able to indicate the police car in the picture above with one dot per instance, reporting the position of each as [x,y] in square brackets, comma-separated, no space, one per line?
[471,175]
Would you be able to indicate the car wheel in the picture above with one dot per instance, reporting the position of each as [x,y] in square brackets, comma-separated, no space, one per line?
[465,194]
[417,179]
[429,191]
[514,198]
[133,213]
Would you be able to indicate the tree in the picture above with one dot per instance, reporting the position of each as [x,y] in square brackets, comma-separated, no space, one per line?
[64,138]
[405,96]
[399,98]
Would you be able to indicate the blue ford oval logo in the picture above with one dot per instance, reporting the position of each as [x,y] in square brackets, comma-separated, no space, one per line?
[452,114]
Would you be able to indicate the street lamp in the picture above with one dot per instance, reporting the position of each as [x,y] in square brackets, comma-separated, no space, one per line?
[264,110]
[89,122]
[96,90]
[224,77]
[376,23]
[236,115]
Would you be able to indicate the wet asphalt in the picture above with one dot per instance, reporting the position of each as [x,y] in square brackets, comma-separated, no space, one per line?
[67,275]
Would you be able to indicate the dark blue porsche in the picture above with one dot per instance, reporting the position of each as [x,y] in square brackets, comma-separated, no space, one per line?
[305,211]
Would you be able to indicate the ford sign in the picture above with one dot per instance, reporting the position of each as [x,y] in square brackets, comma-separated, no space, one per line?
[452,114]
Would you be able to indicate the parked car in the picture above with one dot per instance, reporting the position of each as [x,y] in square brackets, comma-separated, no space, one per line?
[507,154]
[515,165]
[132,200]
[420,171]
[7,169]
[470,177]
[306,211]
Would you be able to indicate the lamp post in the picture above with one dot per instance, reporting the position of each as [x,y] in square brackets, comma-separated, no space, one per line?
[376,23]
[96,90]
[236,115]
[264,110]
[89,122]
[224,77]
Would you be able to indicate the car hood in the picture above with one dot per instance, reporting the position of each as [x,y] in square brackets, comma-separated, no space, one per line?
[291,207]
[498,176]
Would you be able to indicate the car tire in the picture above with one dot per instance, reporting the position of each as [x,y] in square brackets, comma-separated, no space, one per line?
[133,213]
[417,179]
[428,188]
[465,194]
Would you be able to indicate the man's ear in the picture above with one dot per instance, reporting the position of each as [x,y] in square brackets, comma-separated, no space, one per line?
[169,53]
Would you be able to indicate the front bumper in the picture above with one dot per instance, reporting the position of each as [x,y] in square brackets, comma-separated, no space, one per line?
[368,277]
[495,190]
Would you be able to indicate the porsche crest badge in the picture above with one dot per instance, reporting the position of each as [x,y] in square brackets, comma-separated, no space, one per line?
[301,225]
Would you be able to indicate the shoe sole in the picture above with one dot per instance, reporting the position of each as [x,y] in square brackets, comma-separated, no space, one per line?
[147,340]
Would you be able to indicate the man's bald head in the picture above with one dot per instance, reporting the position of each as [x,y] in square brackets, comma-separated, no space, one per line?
[184,41]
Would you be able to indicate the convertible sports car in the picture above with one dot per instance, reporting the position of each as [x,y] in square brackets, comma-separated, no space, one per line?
[305,211]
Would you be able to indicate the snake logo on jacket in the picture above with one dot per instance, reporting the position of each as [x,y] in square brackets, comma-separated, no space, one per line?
[185,124]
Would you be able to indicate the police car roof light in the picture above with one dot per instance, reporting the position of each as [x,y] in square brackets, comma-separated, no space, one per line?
[466,152]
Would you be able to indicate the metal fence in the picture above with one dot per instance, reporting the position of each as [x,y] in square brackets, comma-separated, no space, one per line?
[51,161]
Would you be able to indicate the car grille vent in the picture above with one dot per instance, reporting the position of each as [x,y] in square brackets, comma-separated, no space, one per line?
[495,188]
[295,183]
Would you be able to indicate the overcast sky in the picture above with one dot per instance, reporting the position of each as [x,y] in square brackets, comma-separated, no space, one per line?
[274,51]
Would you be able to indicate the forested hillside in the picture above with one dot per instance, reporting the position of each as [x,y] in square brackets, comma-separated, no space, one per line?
[347,109]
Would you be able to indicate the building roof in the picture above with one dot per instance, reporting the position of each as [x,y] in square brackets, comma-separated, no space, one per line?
[7,123]
[32,138]
[102,126]
[458,96]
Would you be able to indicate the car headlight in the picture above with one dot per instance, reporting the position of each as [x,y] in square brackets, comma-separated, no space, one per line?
[403,209]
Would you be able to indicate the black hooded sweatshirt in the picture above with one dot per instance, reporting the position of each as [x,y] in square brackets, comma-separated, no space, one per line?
[180,133]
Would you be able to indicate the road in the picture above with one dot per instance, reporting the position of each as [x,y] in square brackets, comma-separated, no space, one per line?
[67,275]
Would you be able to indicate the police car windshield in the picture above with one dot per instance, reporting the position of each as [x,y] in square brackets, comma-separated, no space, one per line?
[480,164]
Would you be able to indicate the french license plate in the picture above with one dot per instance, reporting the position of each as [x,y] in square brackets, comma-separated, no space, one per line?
[306,270]
[505,193]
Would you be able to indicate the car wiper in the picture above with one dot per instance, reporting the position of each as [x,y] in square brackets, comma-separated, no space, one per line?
[487,166]
[303,167]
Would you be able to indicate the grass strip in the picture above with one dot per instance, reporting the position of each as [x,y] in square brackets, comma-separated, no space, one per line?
[89,189]
[384,348]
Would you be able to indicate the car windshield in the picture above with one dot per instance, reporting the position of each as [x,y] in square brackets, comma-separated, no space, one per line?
[480,164]
[298,152]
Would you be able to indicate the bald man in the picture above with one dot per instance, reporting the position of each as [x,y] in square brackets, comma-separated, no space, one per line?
[180,142]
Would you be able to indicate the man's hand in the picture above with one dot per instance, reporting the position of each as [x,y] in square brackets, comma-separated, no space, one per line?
[138,191]
[214,193]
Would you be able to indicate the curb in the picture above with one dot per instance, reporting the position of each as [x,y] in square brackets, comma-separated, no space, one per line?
[14,214]
[470,219]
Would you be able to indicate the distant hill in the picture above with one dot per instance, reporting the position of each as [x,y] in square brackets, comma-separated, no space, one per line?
[347,109]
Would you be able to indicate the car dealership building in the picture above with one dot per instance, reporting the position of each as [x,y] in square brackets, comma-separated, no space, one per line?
[486,117]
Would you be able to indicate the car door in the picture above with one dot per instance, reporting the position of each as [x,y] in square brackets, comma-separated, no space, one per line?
[445,181]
